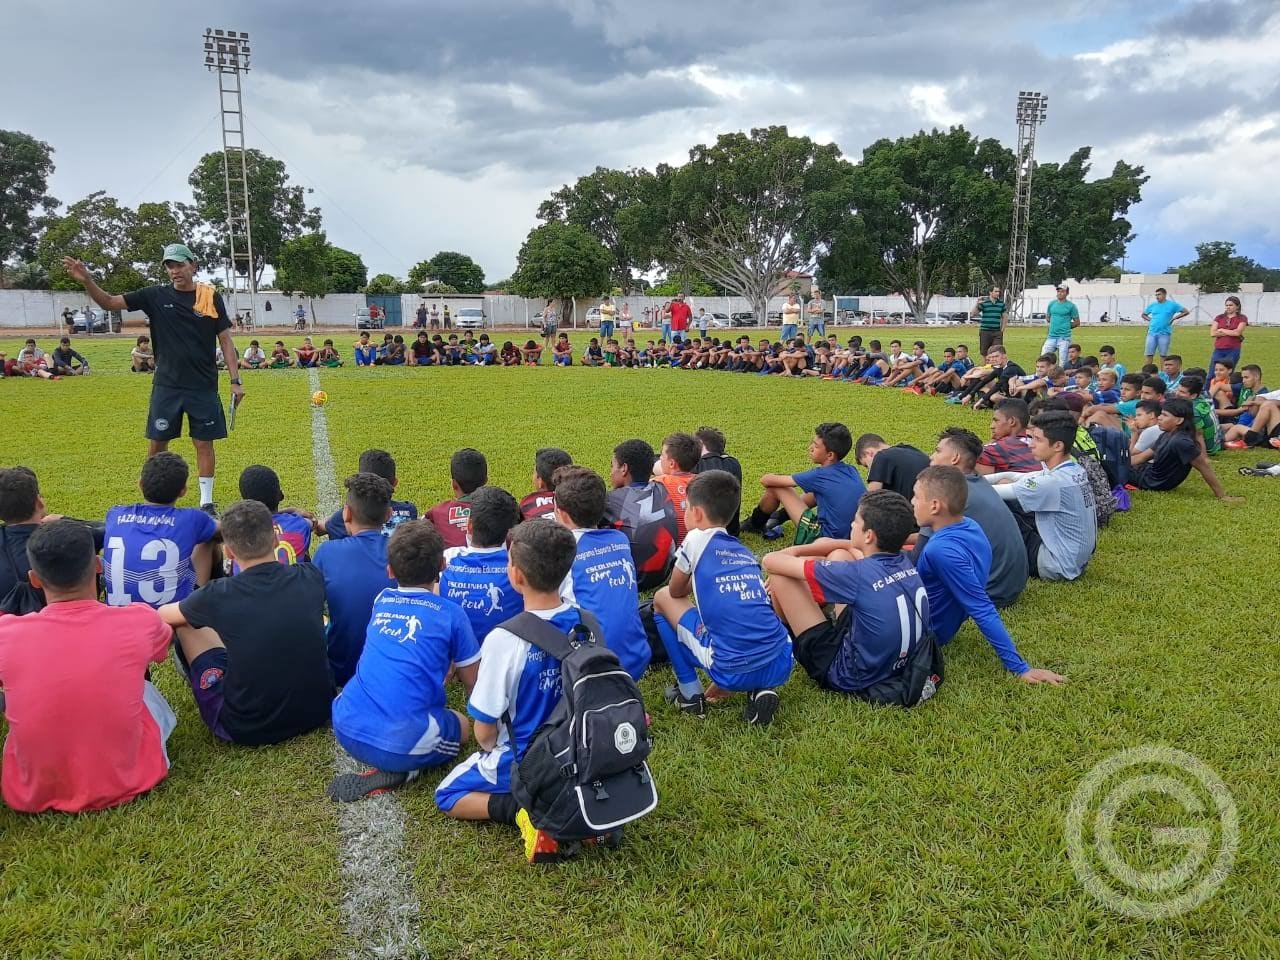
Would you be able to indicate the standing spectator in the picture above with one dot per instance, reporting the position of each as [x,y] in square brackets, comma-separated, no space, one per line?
[665,316]
[69,320]
[817,314]
[681,314]
[992,313]
[1160,317]
[1063,318]
[625,321]
[300,317]
[550,323]
[435,317]
[448,321]
[421,320]
[703,322]
[1227,331]
[608,315]
[790,318]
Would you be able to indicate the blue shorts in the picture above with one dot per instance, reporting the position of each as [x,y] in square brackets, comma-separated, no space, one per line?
[1158,343]
[445,735]
[1245,420]
[206,674]
[482,772]
[788,332]
[698,642]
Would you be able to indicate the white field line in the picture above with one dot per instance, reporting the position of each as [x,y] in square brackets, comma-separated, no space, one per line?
[379,905]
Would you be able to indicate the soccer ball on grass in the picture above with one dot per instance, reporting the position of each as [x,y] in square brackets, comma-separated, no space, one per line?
[318,398]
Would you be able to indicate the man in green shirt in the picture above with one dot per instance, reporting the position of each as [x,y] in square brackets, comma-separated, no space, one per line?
[991,312]
[1063,318]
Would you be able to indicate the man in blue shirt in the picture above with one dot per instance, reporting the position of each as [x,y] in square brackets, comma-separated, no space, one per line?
[954,566]
[887,612]
[355,570]
[1160,317]
[1063,318]
[833,486]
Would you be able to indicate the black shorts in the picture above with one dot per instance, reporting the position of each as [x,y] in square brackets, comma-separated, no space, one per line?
[203,408]
[817,647]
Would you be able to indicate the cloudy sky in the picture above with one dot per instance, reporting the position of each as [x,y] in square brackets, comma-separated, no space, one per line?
[441,125]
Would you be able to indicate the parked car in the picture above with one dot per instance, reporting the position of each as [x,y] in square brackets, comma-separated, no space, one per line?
[364,321]
[469,318]
[1039,318]
[720,321]
[744,318]
[100,321]
[593,317]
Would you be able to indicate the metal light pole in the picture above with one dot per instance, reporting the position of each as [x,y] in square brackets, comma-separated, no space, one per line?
[1033,108]
[226,53]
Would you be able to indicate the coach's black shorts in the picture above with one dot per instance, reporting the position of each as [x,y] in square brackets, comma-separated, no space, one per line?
[203,409]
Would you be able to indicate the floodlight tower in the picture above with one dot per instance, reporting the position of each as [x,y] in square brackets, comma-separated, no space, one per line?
[226,53]
[1032,109]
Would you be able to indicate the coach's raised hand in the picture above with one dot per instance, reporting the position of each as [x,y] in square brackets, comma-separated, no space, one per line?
[77,270]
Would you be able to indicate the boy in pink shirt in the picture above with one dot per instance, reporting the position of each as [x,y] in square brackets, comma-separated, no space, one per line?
[86,729]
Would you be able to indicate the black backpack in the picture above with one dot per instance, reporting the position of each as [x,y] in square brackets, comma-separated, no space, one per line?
[585,772]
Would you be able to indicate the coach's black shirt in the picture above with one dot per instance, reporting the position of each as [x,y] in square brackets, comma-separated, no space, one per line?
[183,341]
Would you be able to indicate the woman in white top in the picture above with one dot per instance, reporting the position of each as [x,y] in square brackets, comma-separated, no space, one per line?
[790,319]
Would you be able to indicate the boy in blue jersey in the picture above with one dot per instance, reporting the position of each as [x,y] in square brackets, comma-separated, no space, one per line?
[355,570]
[293,531]
[382,464]
[516,689]
[153,552]
[392,715]
[953,566]
[475,576]
[887,612]
[833,486]
[603,579]
[728,628]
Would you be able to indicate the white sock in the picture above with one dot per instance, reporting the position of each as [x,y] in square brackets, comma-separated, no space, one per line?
[206,490]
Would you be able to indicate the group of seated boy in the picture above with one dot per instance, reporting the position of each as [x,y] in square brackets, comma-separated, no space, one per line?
[31,361]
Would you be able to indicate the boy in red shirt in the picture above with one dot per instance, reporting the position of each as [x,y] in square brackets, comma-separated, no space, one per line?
[86,729]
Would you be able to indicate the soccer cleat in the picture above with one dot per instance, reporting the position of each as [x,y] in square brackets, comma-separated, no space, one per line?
[954,398]
[1236,445]
[1264,464]
[611,840]
[211,509]
[349,787]
[762,707]
[540,846]
[695,706]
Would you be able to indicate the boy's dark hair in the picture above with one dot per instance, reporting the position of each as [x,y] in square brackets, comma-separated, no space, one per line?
[249,529]
[1150,370]
[262,484]
[835,437]
[1177,358]
[1134,380]
[684,449]
[1075,345]
[888,515]
[965,444]
[369,497]
[1107,348]
[1252,368]
[163,478]
[946,484]
[866,442]
[1178,407]
[1226,362]
[1092,362]
[543,551]
[950,350]
[638,457]
[1058,426]
[493,513]
[1194,385]
[717,493]
[19,491]
[1200,372]
[415,551]
[712,439]
[1150,406]
[1047,358]
[61,553]
[1156,384]
[547,461]
[580,493]
[469,469]
[1015,408]
[379,463]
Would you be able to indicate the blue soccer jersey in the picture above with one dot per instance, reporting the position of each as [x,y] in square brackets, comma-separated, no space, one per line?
[837,488]
[293,539]
[146,551]
[889,615]
[954,565]
[745,634]
[475,578]
[355,572]
[603,582]
[393,701]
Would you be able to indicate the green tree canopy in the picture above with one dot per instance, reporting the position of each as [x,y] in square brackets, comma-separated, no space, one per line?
[96,230]
[1218,268]
[278,210]
[27,275]
[384,284]
[25,166]
[561,261]
[347,272]
[154,226]
[455,269]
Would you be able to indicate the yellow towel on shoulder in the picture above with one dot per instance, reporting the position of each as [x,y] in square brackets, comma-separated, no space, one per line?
[204,300]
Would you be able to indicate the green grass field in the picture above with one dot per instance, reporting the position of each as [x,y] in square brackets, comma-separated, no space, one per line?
[841,830]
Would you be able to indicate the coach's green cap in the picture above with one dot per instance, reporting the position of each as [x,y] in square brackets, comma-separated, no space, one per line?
[178,252]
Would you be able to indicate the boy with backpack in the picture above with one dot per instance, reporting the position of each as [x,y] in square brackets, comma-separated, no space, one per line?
[475,576]
[715,613]
[392,715]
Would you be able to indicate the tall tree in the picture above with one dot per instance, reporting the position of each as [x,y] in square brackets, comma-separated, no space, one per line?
[918,207]
[384,284]
[1217,268]
[25,166]
[27,275]
[455,269]
[95,230]
[154,226]
[621,209]
[562,262]
[278,210]
[347,272]
[750,207]
[303,267]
